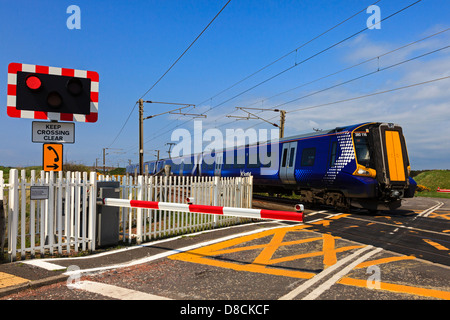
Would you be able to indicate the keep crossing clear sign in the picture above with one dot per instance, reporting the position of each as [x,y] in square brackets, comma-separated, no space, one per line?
[53,132]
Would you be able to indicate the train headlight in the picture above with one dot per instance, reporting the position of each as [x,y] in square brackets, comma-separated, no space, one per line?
[364,172]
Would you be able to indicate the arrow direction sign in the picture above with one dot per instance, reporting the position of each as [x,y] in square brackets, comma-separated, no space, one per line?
[52,157]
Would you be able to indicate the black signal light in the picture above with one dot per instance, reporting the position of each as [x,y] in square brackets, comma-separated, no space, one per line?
[54,100]
[74,86]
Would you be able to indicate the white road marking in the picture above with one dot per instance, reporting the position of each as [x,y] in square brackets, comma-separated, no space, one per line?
[313,213]
[427,212]
[166,253]
[114,292]
[44,265]
[399,226]
[307,284]
[324,218]
[335,278]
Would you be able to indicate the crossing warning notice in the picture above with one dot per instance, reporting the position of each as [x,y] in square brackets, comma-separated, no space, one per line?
[57,132]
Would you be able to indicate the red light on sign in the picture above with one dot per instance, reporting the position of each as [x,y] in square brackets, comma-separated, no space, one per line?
[33,82]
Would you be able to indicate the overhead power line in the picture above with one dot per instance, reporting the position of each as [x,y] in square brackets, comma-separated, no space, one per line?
[362,76]
[270,64]
[296,64]
[312,56]
[356,98]
[359,97]
[167,71]
[288,54]
[350,67]
[173,64]
[275,108]
[370,94]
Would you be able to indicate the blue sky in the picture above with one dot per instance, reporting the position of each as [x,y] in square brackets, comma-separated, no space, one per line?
[132,43]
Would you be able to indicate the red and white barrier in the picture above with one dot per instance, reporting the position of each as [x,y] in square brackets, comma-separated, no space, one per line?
[196,208]
[443,190]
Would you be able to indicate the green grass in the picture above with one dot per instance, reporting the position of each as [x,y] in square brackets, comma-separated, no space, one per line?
[432,180]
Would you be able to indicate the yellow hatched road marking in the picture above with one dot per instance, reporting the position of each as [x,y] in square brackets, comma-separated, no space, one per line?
[382,261]
[264,260]
[398,288]
[440,214]
[435,244]
[8,280]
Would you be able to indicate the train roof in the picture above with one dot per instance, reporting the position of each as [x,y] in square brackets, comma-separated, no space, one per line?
[323,132]
[296,137]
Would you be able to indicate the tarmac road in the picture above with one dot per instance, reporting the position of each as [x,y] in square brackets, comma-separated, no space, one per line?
[398,255]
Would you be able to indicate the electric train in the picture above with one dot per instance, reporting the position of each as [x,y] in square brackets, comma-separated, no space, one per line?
[364,165]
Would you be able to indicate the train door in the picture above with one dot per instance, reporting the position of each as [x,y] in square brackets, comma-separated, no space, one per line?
[197,169]
[181,168]
[392,162]
[287,165]
[218,164]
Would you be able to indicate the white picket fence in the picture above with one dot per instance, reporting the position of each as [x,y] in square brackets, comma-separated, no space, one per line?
[65,223]
[146,224]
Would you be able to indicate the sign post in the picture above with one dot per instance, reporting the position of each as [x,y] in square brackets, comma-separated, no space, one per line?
[54,94]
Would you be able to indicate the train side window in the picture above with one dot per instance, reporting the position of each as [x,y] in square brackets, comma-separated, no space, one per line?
[265,157]
[284,158]
[239,160]
[333,153]
[308,157]
[291,157]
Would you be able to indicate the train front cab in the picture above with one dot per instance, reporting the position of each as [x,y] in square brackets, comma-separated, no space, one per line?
[380,151]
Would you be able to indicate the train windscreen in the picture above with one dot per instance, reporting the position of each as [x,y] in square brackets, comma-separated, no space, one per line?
[361,143]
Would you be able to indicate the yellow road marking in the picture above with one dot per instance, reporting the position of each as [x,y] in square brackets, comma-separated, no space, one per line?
[311,254]
[264,261]
[440,214]
[329,251]
[325,223]
[399,288]
[382,261]
[435,244]
[8,280]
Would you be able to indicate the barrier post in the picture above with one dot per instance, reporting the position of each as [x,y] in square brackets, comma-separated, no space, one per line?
[140,196]
[2,218]
[13,213]
[92,210]
[216,187]
[195,208]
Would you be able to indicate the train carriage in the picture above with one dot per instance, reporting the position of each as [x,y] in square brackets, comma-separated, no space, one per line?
[364,165]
